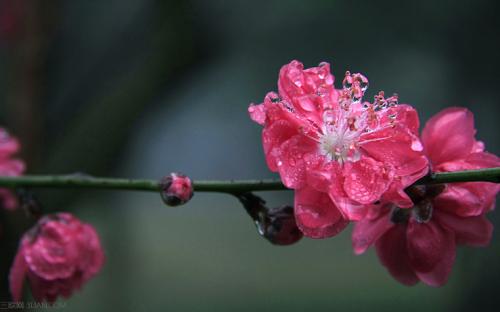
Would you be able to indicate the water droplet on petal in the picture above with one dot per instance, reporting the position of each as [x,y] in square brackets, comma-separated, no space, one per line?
[364,85]
[347,82]
[329,117]
[307,104]
[360,81]
[416,145]
[393,100]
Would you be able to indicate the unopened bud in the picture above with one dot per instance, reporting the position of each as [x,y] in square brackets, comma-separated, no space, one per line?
[277,225]
[176,189]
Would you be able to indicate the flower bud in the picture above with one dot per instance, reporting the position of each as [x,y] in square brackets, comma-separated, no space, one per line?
[58,255]
[176,189]
[277,225]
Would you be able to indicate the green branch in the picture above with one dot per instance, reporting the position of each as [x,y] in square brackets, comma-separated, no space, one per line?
[227,186]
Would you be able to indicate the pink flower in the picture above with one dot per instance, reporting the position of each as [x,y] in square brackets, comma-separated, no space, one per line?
[9,167]
[418,244]
[58,256]
[340,154]
[176,189]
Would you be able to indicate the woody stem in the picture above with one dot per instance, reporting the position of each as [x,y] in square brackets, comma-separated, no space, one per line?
[223,186]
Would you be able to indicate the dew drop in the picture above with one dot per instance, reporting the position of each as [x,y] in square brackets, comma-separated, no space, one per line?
[347,82]
[364,85]
[393,100]
[307,104]
[416,145]
[360,81]
[329,117]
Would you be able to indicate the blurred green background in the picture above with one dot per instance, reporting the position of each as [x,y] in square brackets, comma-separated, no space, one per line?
[140,88]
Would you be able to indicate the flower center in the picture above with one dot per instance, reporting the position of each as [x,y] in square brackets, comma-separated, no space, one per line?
[345,124]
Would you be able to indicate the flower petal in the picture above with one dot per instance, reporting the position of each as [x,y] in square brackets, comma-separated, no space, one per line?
[449,135]
[366,232]
[471,198]
[257,113]
[392,252]
[472,231]
[272,137]
[8,144]
[291,164]
[17,275]
[428,243]
[350,209]
[7,199]
[365,180]
[316,215]
[320,172]
[438,276]
[407,116]
[461,199]
[393,146]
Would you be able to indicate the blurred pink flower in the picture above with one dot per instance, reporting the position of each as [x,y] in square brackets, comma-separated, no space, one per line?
[340,154]
[9,167]
[10,19]
[58,256]
[419,243]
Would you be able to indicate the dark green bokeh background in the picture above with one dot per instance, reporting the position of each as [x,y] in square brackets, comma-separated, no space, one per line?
[140,88]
